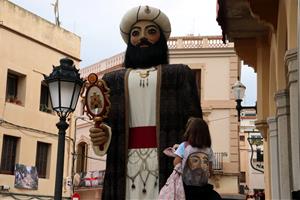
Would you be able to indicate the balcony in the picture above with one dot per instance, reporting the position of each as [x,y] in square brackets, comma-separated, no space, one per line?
[196,42]
[218,164]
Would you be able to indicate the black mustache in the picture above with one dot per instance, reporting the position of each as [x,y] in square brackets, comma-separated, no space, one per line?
[144,41]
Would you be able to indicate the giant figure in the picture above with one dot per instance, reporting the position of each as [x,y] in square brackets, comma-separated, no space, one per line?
[151,101]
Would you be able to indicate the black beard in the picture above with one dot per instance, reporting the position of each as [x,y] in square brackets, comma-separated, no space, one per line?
[137,57]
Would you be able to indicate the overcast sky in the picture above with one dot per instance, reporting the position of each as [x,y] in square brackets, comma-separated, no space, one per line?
[97,23]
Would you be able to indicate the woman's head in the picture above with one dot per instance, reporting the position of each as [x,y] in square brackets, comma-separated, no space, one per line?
[197,133]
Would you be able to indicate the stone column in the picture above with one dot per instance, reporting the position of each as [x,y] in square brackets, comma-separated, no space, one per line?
[283,122]
[273,149]
[292,65]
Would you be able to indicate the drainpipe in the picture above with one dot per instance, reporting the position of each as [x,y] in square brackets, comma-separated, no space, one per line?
[74,151]
[296,194]
[298,59]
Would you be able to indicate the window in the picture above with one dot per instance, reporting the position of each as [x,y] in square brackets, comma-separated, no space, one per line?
[242,138]
[8,157]
[11,87]
[41,161]
[15,87]
[81,157]
[45,105]
[198,81]
[243,177]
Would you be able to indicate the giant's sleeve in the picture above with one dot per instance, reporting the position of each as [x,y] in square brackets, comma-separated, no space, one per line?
[191,98]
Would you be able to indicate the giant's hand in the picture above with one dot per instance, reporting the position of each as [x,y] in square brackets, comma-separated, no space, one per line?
[100,138]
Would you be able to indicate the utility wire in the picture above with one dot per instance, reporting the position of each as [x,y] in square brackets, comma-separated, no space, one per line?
[10,125]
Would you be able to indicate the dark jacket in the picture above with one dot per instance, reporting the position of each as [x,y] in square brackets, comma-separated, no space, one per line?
[177,100]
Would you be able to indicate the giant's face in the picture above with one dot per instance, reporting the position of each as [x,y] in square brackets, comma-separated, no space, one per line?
[147,46]
[144,34]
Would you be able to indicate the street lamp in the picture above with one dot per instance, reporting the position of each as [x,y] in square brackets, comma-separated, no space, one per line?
[239,92]
[64,87]
[257,141]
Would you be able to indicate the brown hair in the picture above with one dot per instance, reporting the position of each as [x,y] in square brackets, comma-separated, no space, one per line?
[197,133]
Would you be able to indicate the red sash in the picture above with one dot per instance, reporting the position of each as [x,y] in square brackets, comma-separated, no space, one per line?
[142,137]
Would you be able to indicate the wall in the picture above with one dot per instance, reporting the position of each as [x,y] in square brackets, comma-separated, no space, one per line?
[30,45]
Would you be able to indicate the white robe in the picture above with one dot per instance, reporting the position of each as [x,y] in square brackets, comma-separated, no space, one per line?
[142,167]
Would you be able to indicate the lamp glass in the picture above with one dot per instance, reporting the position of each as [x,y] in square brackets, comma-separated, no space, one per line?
[66,92]
[64,95]
[76,96]
[238,90]
[54,94]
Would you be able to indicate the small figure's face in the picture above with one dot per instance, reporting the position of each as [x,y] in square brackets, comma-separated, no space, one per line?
[198,161]
[144,34]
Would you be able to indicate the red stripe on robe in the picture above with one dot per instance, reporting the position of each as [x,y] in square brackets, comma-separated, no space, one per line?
[142,137]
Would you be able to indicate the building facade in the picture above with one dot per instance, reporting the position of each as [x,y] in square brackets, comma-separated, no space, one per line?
[216,67]
[266,37]
[251,155]
[30,46]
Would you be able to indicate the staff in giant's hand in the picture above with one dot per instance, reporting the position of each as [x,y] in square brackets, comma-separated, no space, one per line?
[97,106]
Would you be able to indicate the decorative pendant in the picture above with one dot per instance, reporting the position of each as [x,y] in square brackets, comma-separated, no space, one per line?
[144,73]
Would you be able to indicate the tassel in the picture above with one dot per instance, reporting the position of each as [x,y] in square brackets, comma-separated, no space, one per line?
[132,186]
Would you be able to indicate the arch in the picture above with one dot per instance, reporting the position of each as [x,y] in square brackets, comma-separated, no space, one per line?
[81,157]
[85,139]
[269,16]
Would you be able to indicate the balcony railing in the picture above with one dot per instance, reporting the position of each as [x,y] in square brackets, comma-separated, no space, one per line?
[91,179]
[195,42]
[185,42]
[218,164]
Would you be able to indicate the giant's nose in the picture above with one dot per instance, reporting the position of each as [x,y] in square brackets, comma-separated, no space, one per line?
[143,40]
[142,34]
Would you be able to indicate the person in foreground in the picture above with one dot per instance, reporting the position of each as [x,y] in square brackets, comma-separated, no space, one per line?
[151,101]
[196,157]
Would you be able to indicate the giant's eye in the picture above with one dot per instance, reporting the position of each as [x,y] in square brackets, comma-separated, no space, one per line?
[135,33]
[152,31]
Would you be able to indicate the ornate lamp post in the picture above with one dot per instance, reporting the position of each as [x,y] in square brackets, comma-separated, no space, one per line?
[257,141]
[239,92]
[64,86]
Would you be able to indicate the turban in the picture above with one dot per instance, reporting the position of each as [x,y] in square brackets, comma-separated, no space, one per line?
[144,13]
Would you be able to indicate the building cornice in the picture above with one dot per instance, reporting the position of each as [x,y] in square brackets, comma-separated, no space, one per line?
[39,42]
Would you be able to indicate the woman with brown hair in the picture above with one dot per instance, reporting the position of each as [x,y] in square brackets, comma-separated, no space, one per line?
[196,157]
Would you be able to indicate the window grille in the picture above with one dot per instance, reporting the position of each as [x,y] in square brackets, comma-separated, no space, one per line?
[8,157]
[41,161]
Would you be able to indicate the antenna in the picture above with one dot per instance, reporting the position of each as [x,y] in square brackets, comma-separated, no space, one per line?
[56,12]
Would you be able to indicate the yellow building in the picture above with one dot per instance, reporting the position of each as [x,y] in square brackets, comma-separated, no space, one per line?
[29,46]
[216,66]
[265,36]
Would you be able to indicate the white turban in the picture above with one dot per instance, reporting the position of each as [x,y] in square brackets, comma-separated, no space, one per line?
[146,13]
